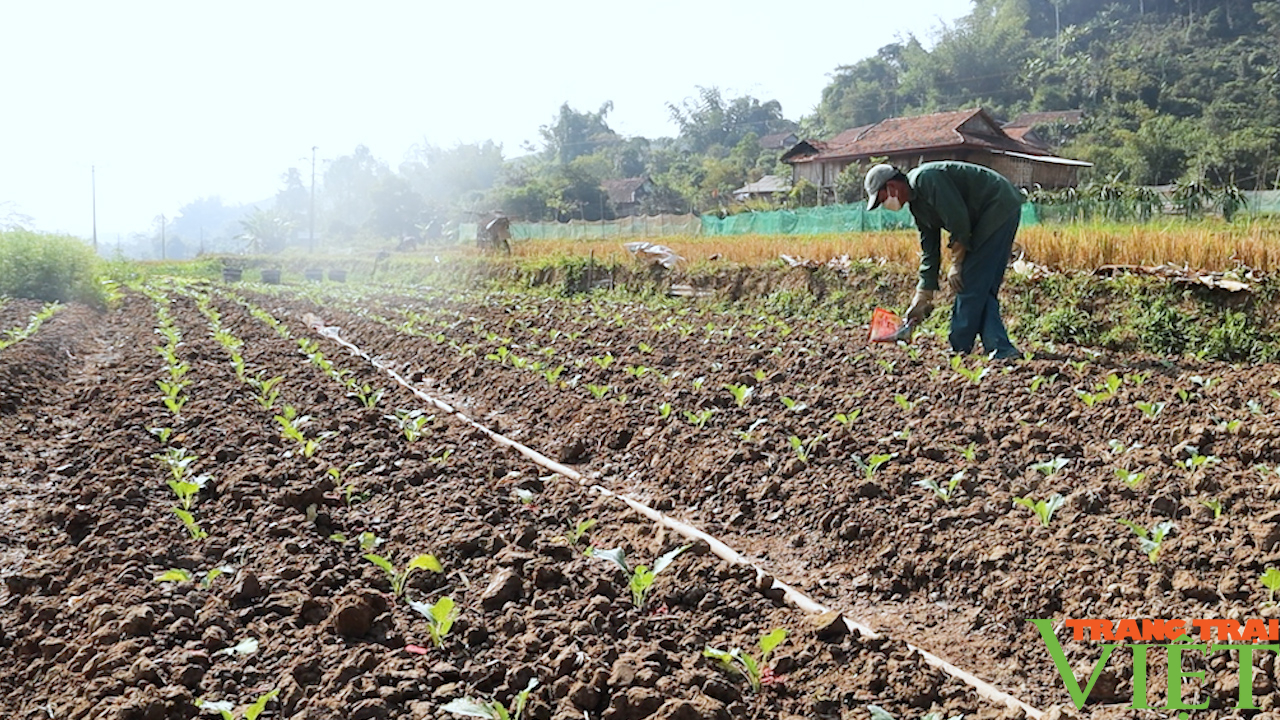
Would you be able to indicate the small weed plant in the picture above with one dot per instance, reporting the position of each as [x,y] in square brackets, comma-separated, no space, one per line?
[755,669]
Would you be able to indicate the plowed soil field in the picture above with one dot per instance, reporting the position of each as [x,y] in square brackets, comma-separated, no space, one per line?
[797,444]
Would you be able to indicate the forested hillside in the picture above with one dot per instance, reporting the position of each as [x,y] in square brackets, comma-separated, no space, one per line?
[1172,91]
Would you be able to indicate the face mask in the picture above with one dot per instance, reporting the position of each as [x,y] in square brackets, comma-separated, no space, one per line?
[891,202]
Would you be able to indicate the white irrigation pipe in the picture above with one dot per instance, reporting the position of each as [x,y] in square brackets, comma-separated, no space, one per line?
[795,597]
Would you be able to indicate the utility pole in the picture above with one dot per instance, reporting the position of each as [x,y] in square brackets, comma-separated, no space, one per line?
[93,184]
[163,254]
[312,231]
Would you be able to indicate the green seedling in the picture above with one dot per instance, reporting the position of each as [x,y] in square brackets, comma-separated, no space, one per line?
[1137,379]
[1078,366]
[698,419]
[1255,407]
[553,376]
[266,390]
[399,579]
[699,381]
[1132,479]
[1043,509]
[1195,461]
[189,522]
[969,453]
[637,371]
[410,422]
[886,366]
[604,361]
[1204,382]
[442,458]
[1110,385]
[1050,467]
[846,419]
[793,405]
[664,410]
[1230,426]
[368,541]
[250,713]
[162,434]
[207,581]
[804,449]
[178,461]
[740,393]
[872,463]
[737,662]
[758,375]
[579,530]
[1150,540]
[1271,581]
[598,391]
[974,375]
[174,575]
[904,403]
[173,399]
[645,348]
[944,493]
[237,364]
[1090,399]
[526,497]
[641,578]
[440,616]
[1215,505]
[365,394]
[492,709]
[1150,409]
[186,490]
[1040,380]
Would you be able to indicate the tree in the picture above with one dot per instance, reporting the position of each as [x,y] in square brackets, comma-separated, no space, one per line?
[348,185]
[445,176]
[294,199]
[710,124]
[265,231]
[397,209]
[574,133]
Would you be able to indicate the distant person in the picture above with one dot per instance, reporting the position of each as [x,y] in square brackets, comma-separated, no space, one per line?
[980,211]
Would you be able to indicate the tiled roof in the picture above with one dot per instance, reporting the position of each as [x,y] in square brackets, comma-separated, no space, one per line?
[624,190]
[959,129]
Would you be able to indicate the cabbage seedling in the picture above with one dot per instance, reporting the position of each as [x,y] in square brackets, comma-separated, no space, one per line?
[740,393]
[846,419]
[944,493]
[1150,409]
[368,541]
[974,375]
[189,522]
[872,463]
[186,490]
[1130,478]
[410,422]
[969,453]
[804,449]
[1215,505]
[737,662]
[1196,460]
[904,403]
[250,713]
[579,531]
[1271,581]
[174,575]
[492,709]
[178,460]
[599,391]
[1043,509]
[698,419]
[440,616]
[399,579]
[664,410]
[641,579]
[163,434]
[1050,467]
[553,376]
[1150,540]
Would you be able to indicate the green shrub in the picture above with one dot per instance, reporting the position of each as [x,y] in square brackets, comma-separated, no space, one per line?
[52,268]
[1165,328]
[1233,337]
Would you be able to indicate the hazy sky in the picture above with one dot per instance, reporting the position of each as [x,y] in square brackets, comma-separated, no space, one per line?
[172,101]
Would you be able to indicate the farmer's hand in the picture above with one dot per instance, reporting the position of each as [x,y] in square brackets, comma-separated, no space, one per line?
[921,306]
[954,279]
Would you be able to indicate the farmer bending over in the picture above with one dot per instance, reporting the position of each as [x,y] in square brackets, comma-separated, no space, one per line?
[980,211]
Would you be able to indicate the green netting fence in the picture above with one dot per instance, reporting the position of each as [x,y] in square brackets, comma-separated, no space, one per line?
[802,221]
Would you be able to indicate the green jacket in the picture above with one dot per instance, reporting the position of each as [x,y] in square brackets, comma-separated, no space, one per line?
[969,201]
